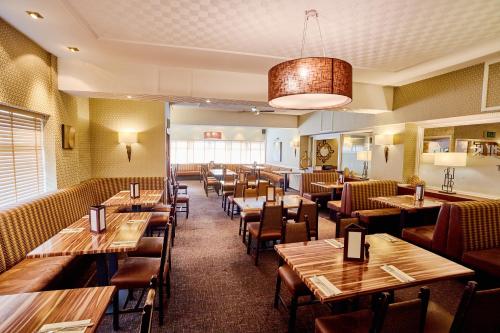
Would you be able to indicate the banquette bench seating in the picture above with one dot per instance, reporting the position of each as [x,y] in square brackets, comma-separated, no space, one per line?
[467,231]
[188,170]
[25,226]
[314,192]
[355,203]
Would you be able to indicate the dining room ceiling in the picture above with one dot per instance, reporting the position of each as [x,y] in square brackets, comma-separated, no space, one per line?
[378,37]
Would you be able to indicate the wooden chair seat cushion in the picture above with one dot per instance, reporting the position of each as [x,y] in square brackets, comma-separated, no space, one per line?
[317,195]
[253,229]
[181,186]
[250,216]
[334,205]
[228,193]
[32,275]
[484,260]
[161,208]
[354,322]
[136,272]
[159,219]
[421,236]
[148,247]
[367,215]
[292,281]
[182,198]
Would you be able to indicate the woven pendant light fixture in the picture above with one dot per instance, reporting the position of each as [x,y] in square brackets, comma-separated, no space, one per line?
[313,83]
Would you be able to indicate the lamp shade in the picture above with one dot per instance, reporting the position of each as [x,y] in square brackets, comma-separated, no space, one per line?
[384,139]
[365,155]
[128,137]
[450,159]
[310,84]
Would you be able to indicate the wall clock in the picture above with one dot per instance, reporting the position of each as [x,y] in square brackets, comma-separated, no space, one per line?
[323,151]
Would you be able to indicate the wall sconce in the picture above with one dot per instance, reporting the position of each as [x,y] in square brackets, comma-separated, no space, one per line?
[295,144]
[365,156]
[384,140]
[128,138]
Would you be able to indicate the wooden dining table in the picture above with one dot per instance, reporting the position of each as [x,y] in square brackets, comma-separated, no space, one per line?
[122,234]
[408,204]
[219,173]
[324,259]
[330,186]
[28,312]
[147,198]
[255,203]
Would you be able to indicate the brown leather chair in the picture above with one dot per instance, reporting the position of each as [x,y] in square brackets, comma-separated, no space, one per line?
[227,189]
[209,182]
[136,272]
[407,316]
[180,186]
[292,233]
[312,213]
[251,179]
[239,187]
[478,312]
[247,216]
[262,187]
[268,229]
[147,309]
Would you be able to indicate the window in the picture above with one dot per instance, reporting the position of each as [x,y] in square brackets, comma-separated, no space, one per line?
[22,172]
[220,151]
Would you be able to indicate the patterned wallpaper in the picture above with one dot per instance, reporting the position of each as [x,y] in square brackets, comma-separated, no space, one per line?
[493,97]
[28,80]
[109,158]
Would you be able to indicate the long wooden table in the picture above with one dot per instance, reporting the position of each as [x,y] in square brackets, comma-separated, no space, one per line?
[219,173]
[147,198]
[122,234]
[408,204]
[289,201]
[320,258]
[28,312]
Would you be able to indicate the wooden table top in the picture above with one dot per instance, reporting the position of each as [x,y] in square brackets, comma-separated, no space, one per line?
[408,202]
[220,172]
[329,186]
[258,167]
[120,227]
[319,258]
[30,311]
[289,201]
[290,172]
[147,198]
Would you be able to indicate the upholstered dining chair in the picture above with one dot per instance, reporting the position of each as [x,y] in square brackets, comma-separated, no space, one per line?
[251,179]
[136,272]
[239,187]
[268,229]
[477,312]
[227,189]
[252,215]
[147,309]
[407,316]
[182,187]
[292,233]
[262,187]
[312,213]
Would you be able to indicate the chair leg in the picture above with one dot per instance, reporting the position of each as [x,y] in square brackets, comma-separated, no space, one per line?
[244,231]
[257,250]
[232,212]
[249,243]
[168,284]
[277,292]
[160,308]
[187,210]
[241,222]
[292,314]
[116,311]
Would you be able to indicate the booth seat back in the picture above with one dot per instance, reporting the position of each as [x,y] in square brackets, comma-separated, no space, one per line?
[472,225]
[308,178]
[105,188]
[355,195]
[187,167]
[26,226]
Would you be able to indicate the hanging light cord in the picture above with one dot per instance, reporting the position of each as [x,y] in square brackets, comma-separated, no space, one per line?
[311,13]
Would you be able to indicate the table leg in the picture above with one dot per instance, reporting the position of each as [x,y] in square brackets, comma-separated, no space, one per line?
[286,182]
[402,221]
[102,270]
[112,263]
[136,208]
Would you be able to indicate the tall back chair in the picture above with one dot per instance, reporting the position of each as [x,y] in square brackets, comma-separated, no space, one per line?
[239,189]
[268,229]
[147,310]
[250,193]
[251,179]
[310,211]
[262,188]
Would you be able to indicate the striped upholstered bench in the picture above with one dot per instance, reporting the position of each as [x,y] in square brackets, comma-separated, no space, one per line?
[313,192]
[25,226]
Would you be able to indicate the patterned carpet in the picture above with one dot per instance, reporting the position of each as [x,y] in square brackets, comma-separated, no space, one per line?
[216,287]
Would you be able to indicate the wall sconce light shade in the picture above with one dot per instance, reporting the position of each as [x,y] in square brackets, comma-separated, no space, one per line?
[128,138]
[384,140]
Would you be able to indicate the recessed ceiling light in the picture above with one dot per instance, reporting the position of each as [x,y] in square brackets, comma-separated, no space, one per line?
[208,101]
[73,49]
[34,15]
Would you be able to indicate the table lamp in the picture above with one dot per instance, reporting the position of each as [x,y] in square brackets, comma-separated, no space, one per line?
[450,161]
[365,156]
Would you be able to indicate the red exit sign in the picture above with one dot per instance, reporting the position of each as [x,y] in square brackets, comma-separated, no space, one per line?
[212,135]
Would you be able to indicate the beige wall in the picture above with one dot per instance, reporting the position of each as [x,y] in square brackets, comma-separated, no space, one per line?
[28,80]
[109,158]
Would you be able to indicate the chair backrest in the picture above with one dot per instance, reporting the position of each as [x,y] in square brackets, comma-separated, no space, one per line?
[408,316]
[309,211]
[147,310]
[239,188]
[166,249]
[295,232]
[356,195]
[251,179]
[271,217]
[262,187]
[250,193]
[228,178]
[478,311]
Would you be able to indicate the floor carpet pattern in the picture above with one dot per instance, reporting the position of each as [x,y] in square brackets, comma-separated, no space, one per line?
[217,288]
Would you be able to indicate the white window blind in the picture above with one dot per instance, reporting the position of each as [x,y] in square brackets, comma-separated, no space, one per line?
[22,171]
[220,151]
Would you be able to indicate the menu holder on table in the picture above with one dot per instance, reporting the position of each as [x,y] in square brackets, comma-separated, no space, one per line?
[67,327]
[325,286]
[397,273]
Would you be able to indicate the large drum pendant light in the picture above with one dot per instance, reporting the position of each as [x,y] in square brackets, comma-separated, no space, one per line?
[310,83]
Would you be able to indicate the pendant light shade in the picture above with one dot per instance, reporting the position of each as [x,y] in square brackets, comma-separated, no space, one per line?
[310,83]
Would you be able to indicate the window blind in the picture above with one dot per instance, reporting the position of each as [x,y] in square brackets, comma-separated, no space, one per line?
[22,171]
[220,151]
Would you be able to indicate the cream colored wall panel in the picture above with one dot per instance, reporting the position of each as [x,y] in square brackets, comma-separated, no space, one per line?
[109,158]
[371,96]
